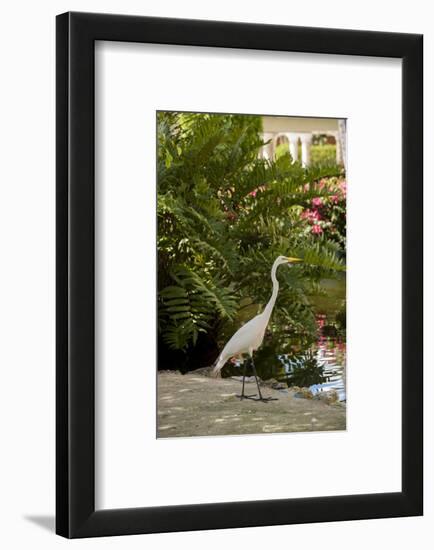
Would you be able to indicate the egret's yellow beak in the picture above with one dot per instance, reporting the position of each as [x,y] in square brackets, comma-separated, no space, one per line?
[294,260]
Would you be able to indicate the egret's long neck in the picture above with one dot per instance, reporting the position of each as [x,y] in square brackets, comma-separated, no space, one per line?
[269,307]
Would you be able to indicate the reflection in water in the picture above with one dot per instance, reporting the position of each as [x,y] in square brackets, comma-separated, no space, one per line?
[330,355]
[331,349]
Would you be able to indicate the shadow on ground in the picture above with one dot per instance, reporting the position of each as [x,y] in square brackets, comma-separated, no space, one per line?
[45,522]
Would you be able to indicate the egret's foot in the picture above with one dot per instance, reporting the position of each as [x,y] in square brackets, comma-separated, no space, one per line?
[246,396]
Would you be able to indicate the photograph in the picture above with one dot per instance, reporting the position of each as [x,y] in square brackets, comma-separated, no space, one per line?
[251,274]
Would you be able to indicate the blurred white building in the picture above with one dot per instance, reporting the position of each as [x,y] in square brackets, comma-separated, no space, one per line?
[295,130]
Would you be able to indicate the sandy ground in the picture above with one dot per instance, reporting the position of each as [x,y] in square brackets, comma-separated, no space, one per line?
[196,405]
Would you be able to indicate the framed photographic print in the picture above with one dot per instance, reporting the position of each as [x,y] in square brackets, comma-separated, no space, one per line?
[239,275]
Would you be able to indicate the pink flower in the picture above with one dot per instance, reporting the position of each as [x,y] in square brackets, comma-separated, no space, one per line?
[317,201]
[334,198]
[317,229]
[310,215]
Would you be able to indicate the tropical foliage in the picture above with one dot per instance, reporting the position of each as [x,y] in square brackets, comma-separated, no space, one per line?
[224,214]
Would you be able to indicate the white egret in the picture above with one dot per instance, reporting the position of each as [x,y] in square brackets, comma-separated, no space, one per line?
[249,337]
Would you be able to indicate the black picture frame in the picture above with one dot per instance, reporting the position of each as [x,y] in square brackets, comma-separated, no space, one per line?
[76,515]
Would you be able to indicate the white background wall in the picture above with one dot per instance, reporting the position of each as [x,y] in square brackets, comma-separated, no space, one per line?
[27,269]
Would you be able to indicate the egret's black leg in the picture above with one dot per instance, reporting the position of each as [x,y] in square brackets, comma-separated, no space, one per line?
[265,399]
[256,378]
[242,396]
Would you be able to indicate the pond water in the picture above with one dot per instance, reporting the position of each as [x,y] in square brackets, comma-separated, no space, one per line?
[329,352]
[331,355]
[331,349]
